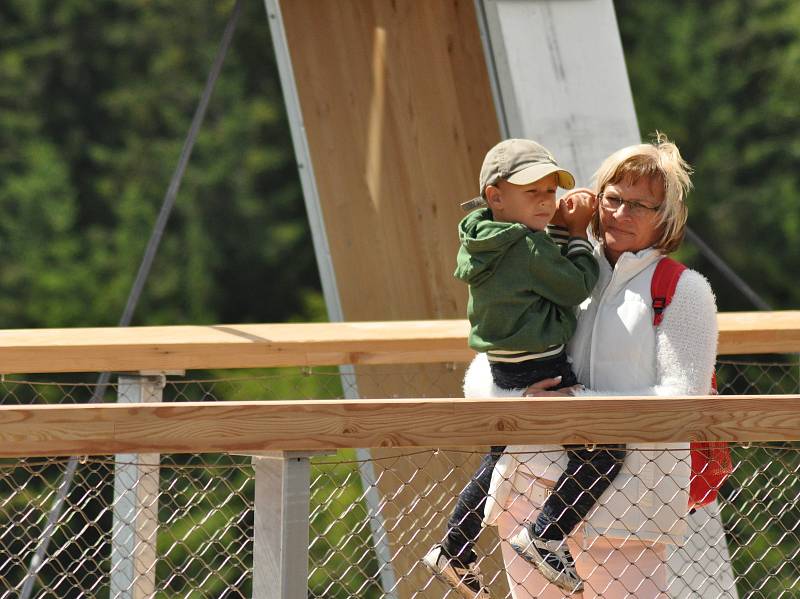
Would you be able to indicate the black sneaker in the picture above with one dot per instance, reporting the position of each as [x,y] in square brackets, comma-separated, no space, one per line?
[467,580]
[551,558]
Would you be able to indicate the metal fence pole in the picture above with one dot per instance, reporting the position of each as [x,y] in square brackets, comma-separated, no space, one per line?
[135,517]
[280,549]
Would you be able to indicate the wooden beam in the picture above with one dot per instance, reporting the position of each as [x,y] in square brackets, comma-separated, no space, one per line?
[759,332]
[232,346]
[246,427]
[309,344]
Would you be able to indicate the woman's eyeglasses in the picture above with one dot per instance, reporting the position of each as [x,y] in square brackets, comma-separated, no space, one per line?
[612,202]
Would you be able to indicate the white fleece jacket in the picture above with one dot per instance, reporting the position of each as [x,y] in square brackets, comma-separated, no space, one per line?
[616,350]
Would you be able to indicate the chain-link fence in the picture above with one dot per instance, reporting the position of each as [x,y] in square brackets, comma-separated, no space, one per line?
[186,522]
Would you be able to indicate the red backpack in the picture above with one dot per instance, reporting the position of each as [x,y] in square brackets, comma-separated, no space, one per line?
[711,460]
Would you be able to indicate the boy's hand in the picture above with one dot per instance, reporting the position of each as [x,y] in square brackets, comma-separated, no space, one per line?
[577,208]
[558,219]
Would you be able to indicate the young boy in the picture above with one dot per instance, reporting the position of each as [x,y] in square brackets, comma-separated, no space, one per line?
[523,289]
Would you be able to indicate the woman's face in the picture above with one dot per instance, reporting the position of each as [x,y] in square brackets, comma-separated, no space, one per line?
[628,216]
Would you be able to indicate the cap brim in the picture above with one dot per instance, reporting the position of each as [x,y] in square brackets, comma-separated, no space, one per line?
[539,171]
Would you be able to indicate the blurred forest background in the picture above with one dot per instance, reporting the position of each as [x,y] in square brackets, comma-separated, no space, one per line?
[96,98]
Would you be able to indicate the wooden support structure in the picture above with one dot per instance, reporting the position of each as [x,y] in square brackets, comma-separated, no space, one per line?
[236,346]
[317,425]
[31,351]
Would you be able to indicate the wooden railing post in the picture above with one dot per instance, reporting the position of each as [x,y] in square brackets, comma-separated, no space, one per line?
[135,521]
[280,549]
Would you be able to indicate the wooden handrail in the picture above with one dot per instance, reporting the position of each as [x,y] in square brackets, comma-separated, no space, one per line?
[308,344]
[248,427]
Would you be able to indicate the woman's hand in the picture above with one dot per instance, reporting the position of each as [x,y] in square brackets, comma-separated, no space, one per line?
[576,209]
[543,389]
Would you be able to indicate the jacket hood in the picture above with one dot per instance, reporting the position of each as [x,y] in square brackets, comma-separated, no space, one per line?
[484,242]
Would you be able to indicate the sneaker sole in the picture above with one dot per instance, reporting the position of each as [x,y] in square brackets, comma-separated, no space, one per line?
[443,579]
[547,571]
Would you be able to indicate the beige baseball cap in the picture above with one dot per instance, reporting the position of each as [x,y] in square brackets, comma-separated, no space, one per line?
[518,161]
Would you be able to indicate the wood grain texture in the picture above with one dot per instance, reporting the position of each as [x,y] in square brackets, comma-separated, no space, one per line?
[231,346]
[759,332]
[309,344]
[245,427]
[398,115]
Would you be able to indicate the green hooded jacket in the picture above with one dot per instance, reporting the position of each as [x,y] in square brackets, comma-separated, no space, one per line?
[522,290]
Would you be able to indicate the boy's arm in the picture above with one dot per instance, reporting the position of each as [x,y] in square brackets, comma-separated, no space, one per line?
[568,279]
[572,217]
[558,231]
[559,234]
[576,210]
[565,280]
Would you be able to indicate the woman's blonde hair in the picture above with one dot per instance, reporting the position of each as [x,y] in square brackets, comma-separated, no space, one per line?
[659,160]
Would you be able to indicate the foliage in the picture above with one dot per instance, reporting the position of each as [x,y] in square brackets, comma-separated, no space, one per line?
[95,102]
[720,77]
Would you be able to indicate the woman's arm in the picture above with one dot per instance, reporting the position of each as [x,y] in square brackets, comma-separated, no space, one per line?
[478,383]
[686,340]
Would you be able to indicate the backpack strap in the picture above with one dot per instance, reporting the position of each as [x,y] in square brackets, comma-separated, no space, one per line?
[662,288]
[710,461]
[663,284]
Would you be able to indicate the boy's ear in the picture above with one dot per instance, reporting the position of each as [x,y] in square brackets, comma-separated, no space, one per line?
[493,196]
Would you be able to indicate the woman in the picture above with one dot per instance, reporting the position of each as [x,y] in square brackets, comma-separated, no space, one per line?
[623,546]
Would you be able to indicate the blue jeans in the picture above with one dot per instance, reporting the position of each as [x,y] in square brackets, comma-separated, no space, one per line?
[588,474]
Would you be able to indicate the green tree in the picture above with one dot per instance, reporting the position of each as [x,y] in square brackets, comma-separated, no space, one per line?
[720,77]
[95,102]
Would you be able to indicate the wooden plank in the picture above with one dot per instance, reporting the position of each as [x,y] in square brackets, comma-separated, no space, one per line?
[247,427]
[231,346]
[309,344]
[398,114]
[759,332]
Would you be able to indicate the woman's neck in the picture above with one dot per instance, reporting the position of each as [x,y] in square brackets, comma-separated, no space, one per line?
[611,256]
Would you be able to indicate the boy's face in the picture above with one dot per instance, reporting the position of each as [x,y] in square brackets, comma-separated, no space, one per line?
[532,205]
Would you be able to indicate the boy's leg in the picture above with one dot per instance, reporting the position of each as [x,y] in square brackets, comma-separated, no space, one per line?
[465,523]
[542,543]
[588,474]
[524,582]
[454,561]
